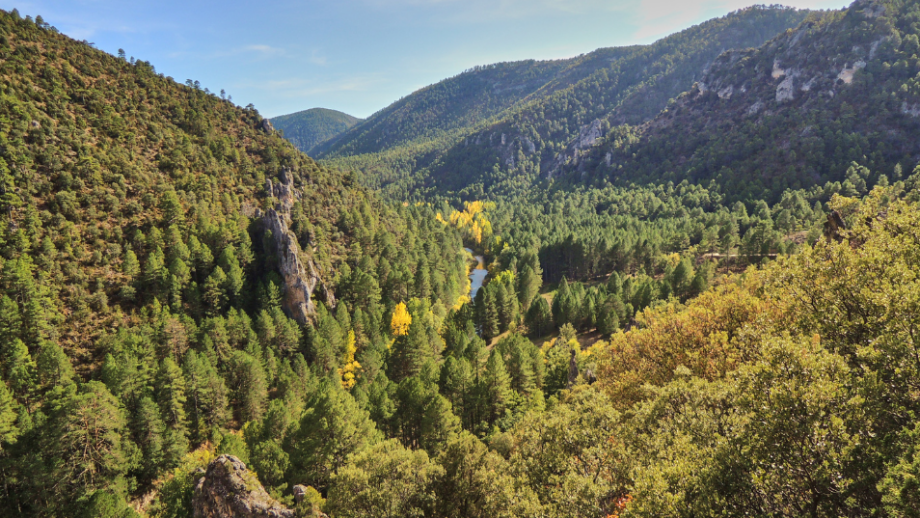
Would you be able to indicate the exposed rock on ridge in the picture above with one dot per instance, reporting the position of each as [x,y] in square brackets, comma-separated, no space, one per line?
[300,274]
[229,490]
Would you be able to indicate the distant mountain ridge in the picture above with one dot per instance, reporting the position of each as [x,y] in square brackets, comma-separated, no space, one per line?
[502,125]
[310,128]
[795,113]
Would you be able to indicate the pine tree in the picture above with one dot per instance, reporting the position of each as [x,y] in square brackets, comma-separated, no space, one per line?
[206,395]
[10,320]
[423,280]
[9,432]
[496,387]
[250,386]
[149,433]
[332,428]
[170,392]
[9,198]
[457,383]
[53,366]
[233,284]
[130,267]
[439,424]
[215,291]
[608,321]
[563,304]
[19,369]
[539,317]
[528,287]
[614,284]
[491,323]
[86,445]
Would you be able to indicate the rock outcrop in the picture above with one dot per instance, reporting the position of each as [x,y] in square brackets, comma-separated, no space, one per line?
[300,274]
[229,490]
[834,226]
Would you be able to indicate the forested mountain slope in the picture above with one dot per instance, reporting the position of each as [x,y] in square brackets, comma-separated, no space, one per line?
[794,113]
[453,104]
[309,128]
[164,260]
[510,145]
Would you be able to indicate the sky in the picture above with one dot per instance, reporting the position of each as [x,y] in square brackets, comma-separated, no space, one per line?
[358,56]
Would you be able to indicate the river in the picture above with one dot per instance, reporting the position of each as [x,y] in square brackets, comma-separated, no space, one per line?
[477,275]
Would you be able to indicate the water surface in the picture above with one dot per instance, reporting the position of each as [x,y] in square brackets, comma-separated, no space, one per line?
[477,275]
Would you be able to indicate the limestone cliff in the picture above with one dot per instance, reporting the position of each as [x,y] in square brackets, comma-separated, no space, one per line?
[229,490]
[300,274]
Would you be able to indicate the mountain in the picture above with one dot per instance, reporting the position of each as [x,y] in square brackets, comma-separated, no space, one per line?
[198,319]
[310,128]
[473,132]
[462,101]
[168,266]
[817,107]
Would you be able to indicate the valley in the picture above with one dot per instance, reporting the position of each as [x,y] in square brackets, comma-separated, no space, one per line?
[677,279]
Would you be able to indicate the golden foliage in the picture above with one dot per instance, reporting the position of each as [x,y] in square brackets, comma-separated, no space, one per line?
[707,336]
[401,320]
[472,221]
[350,366]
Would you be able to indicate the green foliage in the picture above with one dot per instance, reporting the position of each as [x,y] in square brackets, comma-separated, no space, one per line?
[310,128]
[386,480]
[332,428]
[465,135]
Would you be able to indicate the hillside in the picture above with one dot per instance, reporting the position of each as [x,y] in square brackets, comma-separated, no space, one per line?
[197,319]
[510,146]
[165,258]
[450,105]
[310,128]
[795,113]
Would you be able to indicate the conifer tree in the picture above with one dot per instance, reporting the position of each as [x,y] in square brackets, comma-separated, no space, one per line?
[496,387]
[528,287]
[19,369]
[8,429]
[457,384]
[53,366]
[170,392]
[10,320]
[250,386]
[86,445]
[332,428]
[491,323]
[539,317]
[149,433]
[206,395]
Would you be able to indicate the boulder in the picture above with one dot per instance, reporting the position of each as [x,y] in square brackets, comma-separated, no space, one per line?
[229,490]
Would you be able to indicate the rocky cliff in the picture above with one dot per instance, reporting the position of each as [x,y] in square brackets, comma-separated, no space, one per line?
[229,490]
[300,274]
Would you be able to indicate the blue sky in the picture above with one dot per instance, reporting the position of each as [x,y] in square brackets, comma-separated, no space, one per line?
[358,56]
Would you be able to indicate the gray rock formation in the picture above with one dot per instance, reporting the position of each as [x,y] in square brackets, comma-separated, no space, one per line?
[299,492]
[229,490]
[267,126]
[300,274]
[589,135]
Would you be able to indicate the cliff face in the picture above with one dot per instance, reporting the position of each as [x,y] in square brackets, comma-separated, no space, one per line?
[229,490]
[300,274]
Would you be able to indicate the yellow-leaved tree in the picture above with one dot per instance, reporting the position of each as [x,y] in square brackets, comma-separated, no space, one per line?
[350,366]
[401,320]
